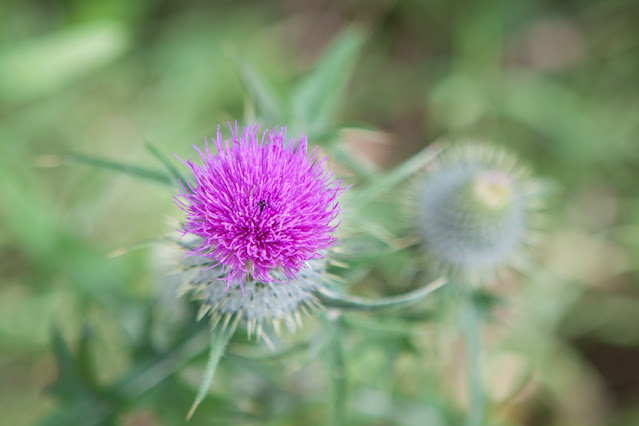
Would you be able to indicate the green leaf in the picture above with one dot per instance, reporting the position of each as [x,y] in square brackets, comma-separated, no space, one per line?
[568,121]
[78,413]
[146,375]
[253,353]
[386,325]
[353,163]
[391,179]
[44,64]
[136,171]
[269,107]
[219,339]
[345,302]
[315,101]
[170,168]
[74,379]
[81,396]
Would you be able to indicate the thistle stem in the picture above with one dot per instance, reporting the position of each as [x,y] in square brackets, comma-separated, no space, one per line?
[338,373]
[354,303]
[471,324]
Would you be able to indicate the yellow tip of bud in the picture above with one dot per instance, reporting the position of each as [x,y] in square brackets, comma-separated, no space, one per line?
[493,189]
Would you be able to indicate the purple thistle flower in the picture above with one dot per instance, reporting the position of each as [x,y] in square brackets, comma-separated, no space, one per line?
[261,205]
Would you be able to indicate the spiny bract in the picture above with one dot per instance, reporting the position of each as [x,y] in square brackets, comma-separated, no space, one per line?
[258,304]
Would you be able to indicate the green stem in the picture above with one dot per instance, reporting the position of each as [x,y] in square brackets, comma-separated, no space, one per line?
[346,302]
[338,374]
[471,323]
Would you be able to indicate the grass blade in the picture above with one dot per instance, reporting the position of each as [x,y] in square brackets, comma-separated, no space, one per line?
[316,99]
[397,175]
[268,106]
[130,169]
[170,168]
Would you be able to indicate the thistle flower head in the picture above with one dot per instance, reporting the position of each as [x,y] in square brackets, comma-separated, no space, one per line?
[474,209]
[262,206]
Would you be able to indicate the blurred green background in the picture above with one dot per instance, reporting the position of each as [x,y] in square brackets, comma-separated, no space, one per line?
[555,81]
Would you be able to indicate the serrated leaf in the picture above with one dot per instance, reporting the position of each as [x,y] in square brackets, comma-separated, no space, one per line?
[130,169]
[78,413]
[81,397]
[315,101]
[346,302]
[73,379]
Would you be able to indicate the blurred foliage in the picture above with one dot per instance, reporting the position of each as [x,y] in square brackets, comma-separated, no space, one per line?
[129,83]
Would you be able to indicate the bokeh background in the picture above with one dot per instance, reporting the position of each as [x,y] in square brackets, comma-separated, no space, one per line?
[555,81]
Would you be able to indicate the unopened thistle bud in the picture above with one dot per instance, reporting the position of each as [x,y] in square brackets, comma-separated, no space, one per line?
[474,209]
